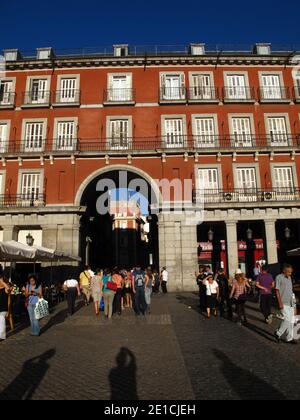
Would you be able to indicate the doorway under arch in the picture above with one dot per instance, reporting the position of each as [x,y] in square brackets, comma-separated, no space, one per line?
[119,236]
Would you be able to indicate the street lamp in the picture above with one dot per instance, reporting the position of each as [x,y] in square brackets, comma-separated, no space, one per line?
[287,233]
[249,234]
[29,239]
[211,235]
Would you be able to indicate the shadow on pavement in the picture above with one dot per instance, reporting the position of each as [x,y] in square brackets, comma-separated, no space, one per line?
[24,385]
[122,378]
[59,318]
[244,383]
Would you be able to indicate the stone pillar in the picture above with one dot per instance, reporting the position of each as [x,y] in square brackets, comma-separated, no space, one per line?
[232,247]
[50,236]
[10,233]
[271,243]
[178,251]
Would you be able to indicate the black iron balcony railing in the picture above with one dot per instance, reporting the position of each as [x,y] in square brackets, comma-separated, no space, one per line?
[238,94]
[274,93]
[170,142]
[119,95]
[173,94]
[203,94]
[67,97]
[22,200]
[7,100]
[36,98]
[246,195]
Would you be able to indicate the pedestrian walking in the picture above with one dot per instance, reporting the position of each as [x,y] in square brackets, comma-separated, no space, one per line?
[139,281]
[149,288]
[200,278]
[156,282]
[265,283]
[4,298]
[212,295]
[239,293]
[164,280]
[118,279]
[224,294]
[285,296]
[109,291]
[33,294]
[85,284]
[71,287]
[127,290]
[97,289]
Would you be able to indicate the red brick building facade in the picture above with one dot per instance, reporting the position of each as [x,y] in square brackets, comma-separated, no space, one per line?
[228,122]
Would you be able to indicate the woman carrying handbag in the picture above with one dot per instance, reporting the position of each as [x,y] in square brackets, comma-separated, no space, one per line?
[109,291]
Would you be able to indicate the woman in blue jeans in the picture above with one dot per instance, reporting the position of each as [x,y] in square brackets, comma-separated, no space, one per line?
[33,294]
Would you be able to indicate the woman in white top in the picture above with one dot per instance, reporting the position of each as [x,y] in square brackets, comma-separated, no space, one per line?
[212,295]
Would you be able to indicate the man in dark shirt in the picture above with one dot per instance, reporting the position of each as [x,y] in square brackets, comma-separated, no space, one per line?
[265,283]
[224,293]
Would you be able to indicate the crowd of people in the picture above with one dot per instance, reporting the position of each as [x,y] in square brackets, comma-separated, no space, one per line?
[222,295]
[116,290]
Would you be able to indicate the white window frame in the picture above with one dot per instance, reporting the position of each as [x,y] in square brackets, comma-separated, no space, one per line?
[4,148]
[181,89]
[243,195]
[2,187]
[209,95]
[285,195]
[202,196]
[231,129]
[59,98]
[176,145]
[214,141]
[116,95]
[26,121]
[236,98]
[56,140]
[28,200]
[42,99]
[288,129]
[267,95]
[13,90]
[109,120]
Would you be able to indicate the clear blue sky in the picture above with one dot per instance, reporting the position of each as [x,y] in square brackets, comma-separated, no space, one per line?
[73,23]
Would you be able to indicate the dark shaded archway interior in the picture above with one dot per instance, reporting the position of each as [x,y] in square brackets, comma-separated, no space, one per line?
[110,247]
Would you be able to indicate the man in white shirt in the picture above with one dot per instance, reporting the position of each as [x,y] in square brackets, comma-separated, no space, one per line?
[164,280]
[72,289]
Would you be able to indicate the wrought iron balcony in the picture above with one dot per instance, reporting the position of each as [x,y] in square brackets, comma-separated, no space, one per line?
[36,98]
[170,142]
[203,94]
[238,94]
[22,200]
[67,97]
[275,94]
[7,100]
[173,94]
[247,195]
[119,96]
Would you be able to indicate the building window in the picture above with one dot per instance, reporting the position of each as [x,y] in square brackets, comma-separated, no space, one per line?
[241,132]
[278,133]
[208,185]
[236,86]
[3,137]
[34,136]
[271,88]
[174,132]
[68,92]
[284,183]
[120,88]
[66,135]
[246,184]
[173,87]
[6,92]
[31,186]
[201,87]
[297,88]
[119,134]
[38,92]
[205,132]
[1,183]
